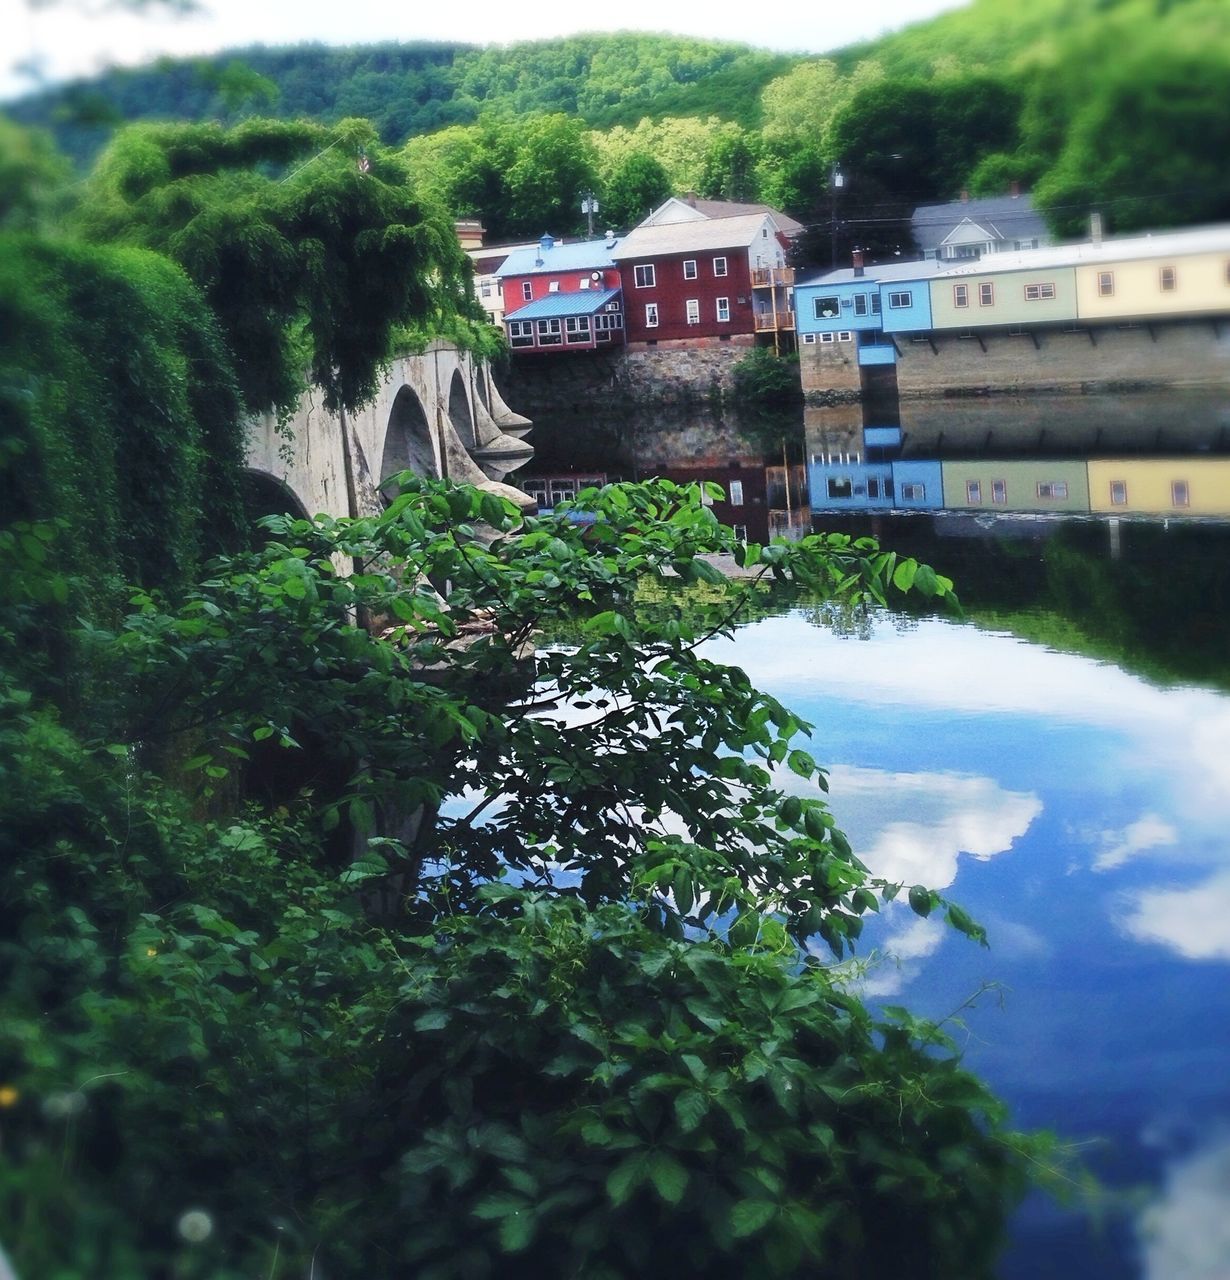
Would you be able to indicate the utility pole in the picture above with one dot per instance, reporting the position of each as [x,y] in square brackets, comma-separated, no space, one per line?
[837,180]
[589,206]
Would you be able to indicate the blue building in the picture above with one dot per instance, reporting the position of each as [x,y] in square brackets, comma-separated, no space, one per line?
[864,305]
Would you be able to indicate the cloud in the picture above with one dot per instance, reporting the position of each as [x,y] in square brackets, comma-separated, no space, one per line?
[913,827]
[1192,921]
[898,961]
[1185,1234]
[1147,832]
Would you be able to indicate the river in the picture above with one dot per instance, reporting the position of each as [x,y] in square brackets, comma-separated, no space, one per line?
[1057,760]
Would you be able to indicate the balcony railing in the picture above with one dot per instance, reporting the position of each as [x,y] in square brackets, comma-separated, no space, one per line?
[767,277]
[767,321]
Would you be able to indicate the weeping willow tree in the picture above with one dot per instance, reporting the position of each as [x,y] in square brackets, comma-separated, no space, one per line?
[312,245]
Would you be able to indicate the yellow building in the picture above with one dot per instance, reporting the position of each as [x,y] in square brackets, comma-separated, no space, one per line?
[1160,486]
[1178,273]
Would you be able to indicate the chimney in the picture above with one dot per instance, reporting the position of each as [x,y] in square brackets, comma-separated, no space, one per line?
[610,238]
[689,197]
[546,243]
[1095,228]
[857,258]
[1014,190]
[964,197]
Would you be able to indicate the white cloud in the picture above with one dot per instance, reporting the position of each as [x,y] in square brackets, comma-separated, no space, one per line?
[1146,833]
[897,962]
[913,827]
[1185,1234]
[1193,921]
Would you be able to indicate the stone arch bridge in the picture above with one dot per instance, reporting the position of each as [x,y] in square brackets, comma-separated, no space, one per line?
[438,414]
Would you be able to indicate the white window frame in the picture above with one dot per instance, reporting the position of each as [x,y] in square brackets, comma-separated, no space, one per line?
[844,335]
[960,295]
[913,491]
[999,491]
[691,310]
[1043,291]
[1168,279]
[986,294]
[828,337]
[1180,493]
[719,267]
[861,306]
[1106,284]
[689,269]
[723,310]
[527,290]
[973,492]
[1054,489]
[736,493]
[1118,493]
[895,303]
[651,315]
[644,276]
[817,314]
[809,339]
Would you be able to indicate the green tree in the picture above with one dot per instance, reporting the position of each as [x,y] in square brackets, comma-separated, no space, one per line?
[310,244]
[1147,149]
[637,186]
[526,1032]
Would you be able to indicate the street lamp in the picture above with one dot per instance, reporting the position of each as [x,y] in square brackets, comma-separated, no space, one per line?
[589,206]
[837,180]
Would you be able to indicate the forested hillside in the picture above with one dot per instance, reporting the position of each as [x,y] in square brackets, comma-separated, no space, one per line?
[1109,104]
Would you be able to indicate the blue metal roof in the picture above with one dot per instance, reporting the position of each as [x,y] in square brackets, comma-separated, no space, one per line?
[584,302]
[588,255]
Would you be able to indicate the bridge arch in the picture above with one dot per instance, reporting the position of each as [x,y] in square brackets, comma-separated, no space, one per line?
[408,443]
[265,494]
[459,412]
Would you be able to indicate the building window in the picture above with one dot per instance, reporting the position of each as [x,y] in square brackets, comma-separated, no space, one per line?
[913,492]
[527,290]
[553,287]
[809,339]
[549,333]
[1179,495]
[875,304]
[860,304]
[973,491]
[644,277]
[693,310]
[577,328]
[826,308]
[1106,283]
[1168,280]
[826,337]
[1118,493]
[1039,292]
[844,335]
[999,491]
[689,269]
[719,266]
[651,315]
[1052,488]
[521,333]
[486,288]
[986,294]
[840,487]
[740,532]
[723,310]
[899,301]
[960,295]
[736,493]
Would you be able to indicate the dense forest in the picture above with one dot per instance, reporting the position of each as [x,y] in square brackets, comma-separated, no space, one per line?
[1108,104]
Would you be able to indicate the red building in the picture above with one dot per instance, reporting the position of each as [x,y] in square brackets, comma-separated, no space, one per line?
[562,297]
[702,278]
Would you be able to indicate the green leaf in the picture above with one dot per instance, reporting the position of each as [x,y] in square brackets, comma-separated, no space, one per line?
[903,575]
[920,900]
[751,1216]
[517,1230]
[669,1177]
[625,1177]
[691,1107]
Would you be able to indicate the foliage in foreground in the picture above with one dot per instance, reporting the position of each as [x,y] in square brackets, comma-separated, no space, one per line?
[541,1028]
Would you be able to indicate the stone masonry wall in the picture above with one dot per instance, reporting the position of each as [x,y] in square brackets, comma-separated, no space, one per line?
[829,371]
[1187,353]
[672,373]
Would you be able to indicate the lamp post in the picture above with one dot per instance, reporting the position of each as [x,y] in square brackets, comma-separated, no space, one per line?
[837,180]
[589,206]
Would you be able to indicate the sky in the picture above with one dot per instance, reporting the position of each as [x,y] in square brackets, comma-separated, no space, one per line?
[67,38]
